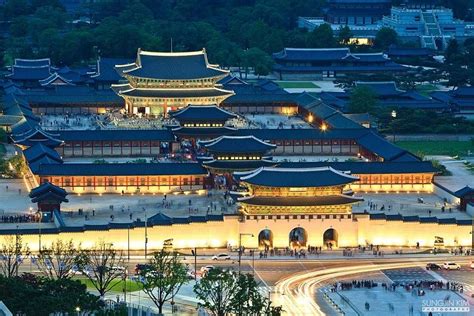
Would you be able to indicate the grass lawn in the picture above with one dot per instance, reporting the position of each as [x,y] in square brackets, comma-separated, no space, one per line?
[451,148]
[425,89]
[297,84]
[117,283]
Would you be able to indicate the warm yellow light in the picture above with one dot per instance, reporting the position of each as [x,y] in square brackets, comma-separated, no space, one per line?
[324,127]
[310,118]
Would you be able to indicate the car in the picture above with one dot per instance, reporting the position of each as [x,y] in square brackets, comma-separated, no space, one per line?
[451,266]
[432,266]
[76,271]
[221,256]
[118,269]
[139,268]
[472,265]
[206,269]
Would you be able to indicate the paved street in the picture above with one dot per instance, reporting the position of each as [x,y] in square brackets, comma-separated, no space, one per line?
[293,281]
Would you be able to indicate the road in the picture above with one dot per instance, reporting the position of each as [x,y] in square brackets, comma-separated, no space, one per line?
[297,293]
[294,283]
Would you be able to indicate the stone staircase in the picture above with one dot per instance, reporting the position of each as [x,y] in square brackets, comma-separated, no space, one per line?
[432,30]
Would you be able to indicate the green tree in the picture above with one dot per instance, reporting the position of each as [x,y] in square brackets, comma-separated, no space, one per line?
[321,37]
[362,100]
[3,136]
[102,265]
[385,37]
[164,278]
[58,261]
[258,60]
[217,291]
[457,75]
[19,166]
[12,253]
[35,295]
[344,35]
[248,297]
[452,53]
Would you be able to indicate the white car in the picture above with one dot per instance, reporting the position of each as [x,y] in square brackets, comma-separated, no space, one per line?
[221,256]
[76,271]
[118,269]
[451,266]
[206,269]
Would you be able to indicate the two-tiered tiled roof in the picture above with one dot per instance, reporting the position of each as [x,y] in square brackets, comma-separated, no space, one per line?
[30,69]
[48,192]
[172,66]
[296,177]
[300,200]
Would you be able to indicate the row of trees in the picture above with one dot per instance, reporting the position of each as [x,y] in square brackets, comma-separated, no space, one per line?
[236,33]
[363,100]
[221,292]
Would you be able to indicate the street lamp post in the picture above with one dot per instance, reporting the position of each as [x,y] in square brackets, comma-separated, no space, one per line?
[394,116]
[240,247]
[40,217]
[146,233]
[128,243]
[194,252]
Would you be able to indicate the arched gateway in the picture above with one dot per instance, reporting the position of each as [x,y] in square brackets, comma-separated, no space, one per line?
[330,237]
[265,240]
[298,238]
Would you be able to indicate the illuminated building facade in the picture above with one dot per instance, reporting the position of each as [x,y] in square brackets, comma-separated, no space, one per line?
[232,153]
[124,177]
[202,122]
[285,191]
[160,82]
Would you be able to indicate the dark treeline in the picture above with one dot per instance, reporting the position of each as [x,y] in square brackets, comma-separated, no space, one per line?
[230,29]
[235,32]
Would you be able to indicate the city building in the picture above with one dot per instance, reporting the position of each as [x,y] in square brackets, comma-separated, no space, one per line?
[105,74]
[49,197]
[356,12]
[121,178]
[317,63]
[202,122]
[160,82]
[72,99]
[233,153]
[424,23]
[261,97]
[117,143]
[431,27]
[361,16]
[287,191]
[27,73]
[388,96]
[461,100]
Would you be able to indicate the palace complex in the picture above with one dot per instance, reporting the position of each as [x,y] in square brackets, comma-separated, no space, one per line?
[205,139]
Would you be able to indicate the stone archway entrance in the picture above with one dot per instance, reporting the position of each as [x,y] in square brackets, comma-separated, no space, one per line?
[265,240]
[330,238]
[298,238]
